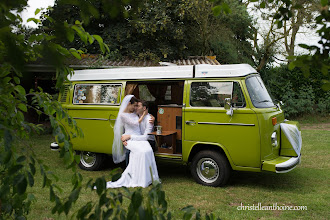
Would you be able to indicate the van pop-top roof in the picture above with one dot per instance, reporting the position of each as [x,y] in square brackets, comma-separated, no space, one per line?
[167,72]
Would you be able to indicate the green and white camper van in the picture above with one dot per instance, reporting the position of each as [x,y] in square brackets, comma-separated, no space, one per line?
[216,118]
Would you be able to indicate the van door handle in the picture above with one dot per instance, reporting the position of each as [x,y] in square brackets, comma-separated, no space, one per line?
[112,120]
[190,123]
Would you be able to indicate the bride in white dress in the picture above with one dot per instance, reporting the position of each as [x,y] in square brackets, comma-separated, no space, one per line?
[141,169]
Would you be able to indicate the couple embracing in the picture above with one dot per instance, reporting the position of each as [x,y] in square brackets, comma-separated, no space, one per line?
[132,131]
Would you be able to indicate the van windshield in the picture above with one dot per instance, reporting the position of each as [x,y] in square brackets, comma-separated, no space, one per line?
[258,92]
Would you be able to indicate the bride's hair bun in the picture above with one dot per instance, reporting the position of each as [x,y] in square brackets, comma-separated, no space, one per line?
[133,100]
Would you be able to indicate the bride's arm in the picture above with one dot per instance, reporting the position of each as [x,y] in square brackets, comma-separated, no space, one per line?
[145,134]
[128,120]
[142,116]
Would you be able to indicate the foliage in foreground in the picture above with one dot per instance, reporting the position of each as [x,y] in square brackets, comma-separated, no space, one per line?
[150,206]
[18,166]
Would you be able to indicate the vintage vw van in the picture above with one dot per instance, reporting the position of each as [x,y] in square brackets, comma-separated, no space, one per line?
[216,118]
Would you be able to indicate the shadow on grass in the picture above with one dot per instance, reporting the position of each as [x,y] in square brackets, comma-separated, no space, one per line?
[292,181]
[170,172]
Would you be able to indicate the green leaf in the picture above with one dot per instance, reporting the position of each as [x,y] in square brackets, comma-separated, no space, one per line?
[116,177]
[75,53]
[6,80]
[17,80]
[74,195]
[103,199]
[93,11]
[108,213]
[20,116]
[100,185]
[67,207]
[216,10]
[37,11]
[81,33]
[4,73]
[30,179]
[106,47]
[226,8]
[326,86]
[21,159]
[37,21]
[324,3]
[137,199]
[14,169]
[77,158]
[325,69]
[32,160]
[45,181]
[70,35]
[98,38]
[32,168]
[292,65]
[51,194]
[60,137]
[22,107]
[90,39]
[7,157]
[304,46]
[21,186]
[263,5]
[20,90]
[11,16]
[100,41]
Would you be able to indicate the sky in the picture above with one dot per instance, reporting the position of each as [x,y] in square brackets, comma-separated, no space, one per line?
[32,6]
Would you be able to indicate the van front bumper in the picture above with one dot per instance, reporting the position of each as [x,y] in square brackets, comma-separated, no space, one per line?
[281,164]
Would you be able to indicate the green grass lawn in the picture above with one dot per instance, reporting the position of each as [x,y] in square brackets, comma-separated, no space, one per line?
[307,185]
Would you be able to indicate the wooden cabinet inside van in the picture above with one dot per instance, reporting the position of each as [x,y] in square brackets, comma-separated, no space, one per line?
[169,117]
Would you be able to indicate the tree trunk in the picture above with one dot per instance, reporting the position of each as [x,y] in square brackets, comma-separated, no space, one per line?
[263,62]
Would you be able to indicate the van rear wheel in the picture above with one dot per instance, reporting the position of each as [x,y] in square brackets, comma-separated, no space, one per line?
[210,168]
[91,161]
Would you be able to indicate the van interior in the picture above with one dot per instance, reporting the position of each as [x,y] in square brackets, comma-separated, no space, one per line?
[165,99]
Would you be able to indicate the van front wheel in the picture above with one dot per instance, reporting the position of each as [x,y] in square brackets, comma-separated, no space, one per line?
[210,168]
[91,161]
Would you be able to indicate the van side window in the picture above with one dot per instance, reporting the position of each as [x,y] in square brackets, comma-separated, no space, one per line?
[238,100]
[213,94]
[106,94]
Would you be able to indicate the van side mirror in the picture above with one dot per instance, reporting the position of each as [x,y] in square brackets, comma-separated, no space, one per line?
[228,107]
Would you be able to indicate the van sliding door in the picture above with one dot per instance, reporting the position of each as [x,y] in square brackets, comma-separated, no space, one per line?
[95,107]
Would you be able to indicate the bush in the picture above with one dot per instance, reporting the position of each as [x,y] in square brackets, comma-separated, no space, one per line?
[300,95]
[298,102]
[323,105]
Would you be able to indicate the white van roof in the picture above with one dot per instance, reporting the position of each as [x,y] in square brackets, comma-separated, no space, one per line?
[167,72]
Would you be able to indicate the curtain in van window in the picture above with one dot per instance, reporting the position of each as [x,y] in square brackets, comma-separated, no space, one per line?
[177,94]
[158,91]
[130,88]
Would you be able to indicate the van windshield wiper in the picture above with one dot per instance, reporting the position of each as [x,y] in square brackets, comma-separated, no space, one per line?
[264,101]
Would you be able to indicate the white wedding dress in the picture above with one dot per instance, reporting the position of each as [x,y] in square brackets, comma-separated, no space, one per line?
[141,169]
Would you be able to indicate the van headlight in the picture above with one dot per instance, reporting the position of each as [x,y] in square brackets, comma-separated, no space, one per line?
[274,139]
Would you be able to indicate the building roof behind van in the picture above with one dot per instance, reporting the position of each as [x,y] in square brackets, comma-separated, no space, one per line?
[164,72]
